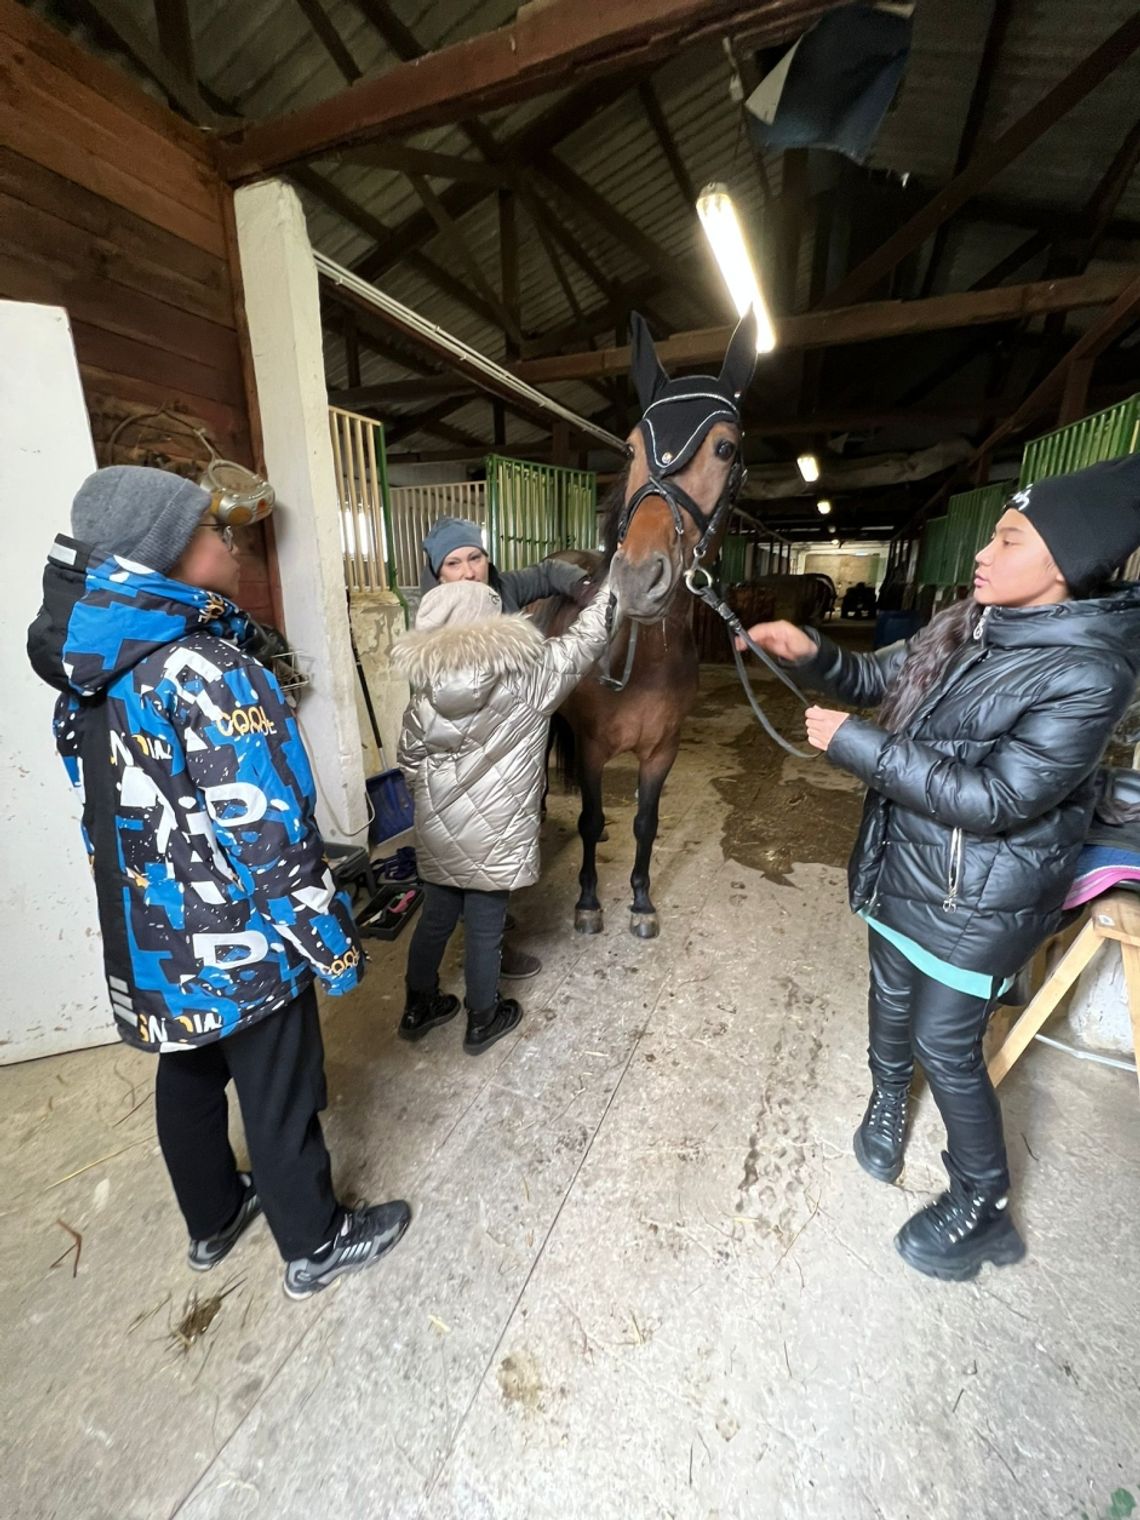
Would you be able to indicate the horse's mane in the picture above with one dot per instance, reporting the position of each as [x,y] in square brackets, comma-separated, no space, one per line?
[611,507]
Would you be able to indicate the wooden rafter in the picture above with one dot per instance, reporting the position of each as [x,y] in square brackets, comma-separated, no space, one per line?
[544,47]
[175,38]
[418,388]
[364,221]
[975,114]
[458,244]
[331,40]
[117,22]
[647,94]
[854,324]
[989,161]
[407,160]
[509,271]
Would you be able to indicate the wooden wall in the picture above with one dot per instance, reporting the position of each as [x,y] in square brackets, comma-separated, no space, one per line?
[110,206]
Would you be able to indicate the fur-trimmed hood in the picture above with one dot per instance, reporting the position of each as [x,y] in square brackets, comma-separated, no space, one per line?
[455,666]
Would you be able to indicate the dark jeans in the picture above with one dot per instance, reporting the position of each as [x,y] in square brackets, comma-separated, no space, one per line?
[913,1016]
[277,1068]
[484,914]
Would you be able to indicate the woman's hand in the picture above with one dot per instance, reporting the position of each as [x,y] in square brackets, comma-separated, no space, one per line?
[823,723]
[784,640]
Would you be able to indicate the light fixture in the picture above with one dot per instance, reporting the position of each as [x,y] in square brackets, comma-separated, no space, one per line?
[808,466]
[726,239]
[824,507]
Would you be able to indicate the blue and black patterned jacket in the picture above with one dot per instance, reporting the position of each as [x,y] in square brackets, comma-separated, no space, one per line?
[216,903]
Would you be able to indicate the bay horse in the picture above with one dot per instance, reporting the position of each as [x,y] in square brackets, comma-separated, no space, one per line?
[666,519]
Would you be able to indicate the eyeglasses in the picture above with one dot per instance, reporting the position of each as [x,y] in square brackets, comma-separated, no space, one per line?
[227,534]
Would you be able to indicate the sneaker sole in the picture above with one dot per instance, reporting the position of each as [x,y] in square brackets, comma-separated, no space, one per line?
[880,1174]
[412,1035]
[208,1266]
[1003,1254]
[319,1287]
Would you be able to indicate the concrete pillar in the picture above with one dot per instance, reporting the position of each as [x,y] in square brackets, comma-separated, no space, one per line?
[283,311]
[55,998]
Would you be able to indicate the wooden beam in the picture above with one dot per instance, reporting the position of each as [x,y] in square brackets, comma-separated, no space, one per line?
[420,388]
[855,324]
[175,38]
[545,46]
[457,242]
[344,206]
[576,190]
[115,20]
[370,334]
[509,271]
[431,419]
[1074,398]
[351,351]
[406,160]
[546,131]
[331,40]
[990,161]
[975,113]
[651,104]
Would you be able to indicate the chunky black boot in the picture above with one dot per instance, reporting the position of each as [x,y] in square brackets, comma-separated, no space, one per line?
[964,1227]
[424,1011]
[485,1026]
[881,1138]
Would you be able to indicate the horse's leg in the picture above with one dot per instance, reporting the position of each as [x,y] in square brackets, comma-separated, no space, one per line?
[643,921]
[588,916]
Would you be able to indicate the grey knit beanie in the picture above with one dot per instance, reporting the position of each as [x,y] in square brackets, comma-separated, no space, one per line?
[448,534]
[457,602]
[140,514]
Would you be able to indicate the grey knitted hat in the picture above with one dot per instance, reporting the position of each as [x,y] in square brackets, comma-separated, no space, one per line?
[448,534]
[141,514]
[457,602]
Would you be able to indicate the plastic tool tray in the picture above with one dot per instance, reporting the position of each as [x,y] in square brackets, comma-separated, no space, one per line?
[385,915]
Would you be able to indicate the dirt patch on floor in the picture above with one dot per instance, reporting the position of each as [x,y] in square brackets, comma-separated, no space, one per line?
[772,824]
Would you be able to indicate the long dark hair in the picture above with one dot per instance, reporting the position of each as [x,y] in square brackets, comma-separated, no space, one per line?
[927,658]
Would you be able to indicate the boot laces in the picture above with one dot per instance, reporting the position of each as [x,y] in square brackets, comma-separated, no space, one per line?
[888,1113]
[955,1213]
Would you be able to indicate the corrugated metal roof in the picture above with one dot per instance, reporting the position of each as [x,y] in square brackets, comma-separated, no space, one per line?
[264,56]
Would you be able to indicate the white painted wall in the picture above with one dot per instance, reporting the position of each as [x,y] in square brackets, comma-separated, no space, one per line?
[283,312]
[52,993]
[1098,1014]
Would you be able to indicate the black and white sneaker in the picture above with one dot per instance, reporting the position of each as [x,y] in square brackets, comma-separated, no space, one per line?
[364,1236]
[204,1254]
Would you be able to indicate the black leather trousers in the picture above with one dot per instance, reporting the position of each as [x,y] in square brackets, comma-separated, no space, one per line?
[914,1017]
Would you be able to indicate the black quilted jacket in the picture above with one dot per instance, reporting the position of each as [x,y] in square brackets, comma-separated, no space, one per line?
[977,812]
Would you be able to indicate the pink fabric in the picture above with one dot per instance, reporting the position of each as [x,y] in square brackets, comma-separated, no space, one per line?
[1096,883]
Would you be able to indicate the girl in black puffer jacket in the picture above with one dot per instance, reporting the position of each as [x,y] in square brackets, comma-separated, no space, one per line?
[981,786]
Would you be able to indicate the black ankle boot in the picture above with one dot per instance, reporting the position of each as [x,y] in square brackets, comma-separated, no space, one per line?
[964,1227]
[485,1026]
[881,1138]
[424,1011]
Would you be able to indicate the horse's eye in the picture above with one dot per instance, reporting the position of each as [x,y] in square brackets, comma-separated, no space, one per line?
[725,449]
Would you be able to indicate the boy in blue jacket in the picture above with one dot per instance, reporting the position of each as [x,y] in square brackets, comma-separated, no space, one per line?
[218,910]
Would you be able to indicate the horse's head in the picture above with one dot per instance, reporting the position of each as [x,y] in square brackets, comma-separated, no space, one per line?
[684,471]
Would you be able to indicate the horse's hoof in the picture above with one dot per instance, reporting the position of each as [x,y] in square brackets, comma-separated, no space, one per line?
[589,920]
[644,925]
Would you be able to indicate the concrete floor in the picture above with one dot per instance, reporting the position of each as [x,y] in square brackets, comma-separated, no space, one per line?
[645,1277]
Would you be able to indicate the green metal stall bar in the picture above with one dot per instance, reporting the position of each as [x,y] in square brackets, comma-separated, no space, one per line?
[536,509]
[1105,435]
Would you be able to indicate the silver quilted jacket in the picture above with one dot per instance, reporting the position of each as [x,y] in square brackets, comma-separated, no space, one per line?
[473,744]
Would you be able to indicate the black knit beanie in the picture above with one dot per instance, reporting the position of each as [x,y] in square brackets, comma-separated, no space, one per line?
[1090,520]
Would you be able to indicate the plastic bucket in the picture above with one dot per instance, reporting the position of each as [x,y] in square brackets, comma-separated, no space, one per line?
[391,805]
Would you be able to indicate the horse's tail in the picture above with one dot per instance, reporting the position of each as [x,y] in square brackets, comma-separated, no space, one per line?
[563,746]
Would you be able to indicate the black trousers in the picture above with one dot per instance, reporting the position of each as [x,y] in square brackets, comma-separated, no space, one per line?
[914,1017]
[484,914]
[277,1067]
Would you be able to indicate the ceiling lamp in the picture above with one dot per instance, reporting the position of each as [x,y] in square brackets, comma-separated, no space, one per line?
[726,239]
[808,466]
[824,507]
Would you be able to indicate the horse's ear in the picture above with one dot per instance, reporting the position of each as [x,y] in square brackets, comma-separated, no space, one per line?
[645,367]
[740,360]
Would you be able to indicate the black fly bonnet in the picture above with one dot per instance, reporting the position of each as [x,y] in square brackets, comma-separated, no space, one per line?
[675,421]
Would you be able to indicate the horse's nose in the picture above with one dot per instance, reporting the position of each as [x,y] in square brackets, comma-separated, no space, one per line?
[657,578]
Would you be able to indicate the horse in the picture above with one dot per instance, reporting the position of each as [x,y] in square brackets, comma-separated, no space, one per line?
[665,521]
